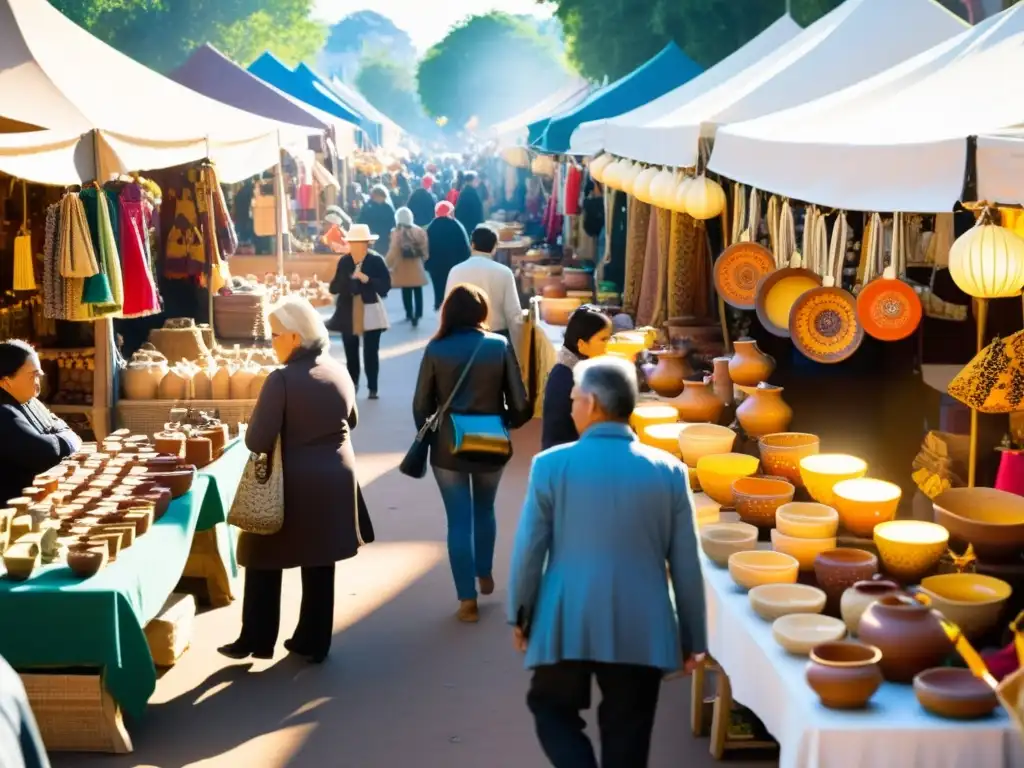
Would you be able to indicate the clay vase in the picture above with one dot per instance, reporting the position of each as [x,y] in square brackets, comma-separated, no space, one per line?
[749,366]
[857,598]
[698,403]
[909,635]
[845,675]
[763,411]
[667,377]
[723,381]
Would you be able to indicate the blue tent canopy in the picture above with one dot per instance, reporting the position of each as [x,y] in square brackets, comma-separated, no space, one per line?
[668,70]
[270,69]
[370,119]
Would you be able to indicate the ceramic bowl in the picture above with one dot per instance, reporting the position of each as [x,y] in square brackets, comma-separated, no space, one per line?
[179,482]
[844,674]
[558,311]
[798,633]
[720,540]
[20,559]
[910,549]
[972,601]
[781,453]
[86,560]
[663,436]
[772,601]
[717,474]
[954,693]
[705,509]
[757,498]
[836,570]
[804,550]
[807,520]
[646,414]
[699,440]
[864,502]
[755,567]
[989,519]
[822,471]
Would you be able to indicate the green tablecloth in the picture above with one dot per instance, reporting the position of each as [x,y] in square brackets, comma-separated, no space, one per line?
[224,475]
[56,620]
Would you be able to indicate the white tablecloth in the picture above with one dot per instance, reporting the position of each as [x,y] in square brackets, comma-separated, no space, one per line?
[894,732]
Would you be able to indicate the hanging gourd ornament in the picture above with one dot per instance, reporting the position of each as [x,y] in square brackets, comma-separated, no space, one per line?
[662,188]
[613,176]
[599,165]
[705,198]
[642,185]
[629,178]
[543,165]
[681,191]
[987,262]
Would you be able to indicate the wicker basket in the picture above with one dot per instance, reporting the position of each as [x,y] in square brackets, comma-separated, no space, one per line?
[241,317]
[146,417]
[75,713]
[177,344]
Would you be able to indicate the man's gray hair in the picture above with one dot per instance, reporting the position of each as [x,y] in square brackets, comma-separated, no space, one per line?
[612,383]
[298,316]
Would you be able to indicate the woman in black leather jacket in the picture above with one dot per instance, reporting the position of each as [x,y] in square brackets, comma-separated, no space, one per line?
[469,483]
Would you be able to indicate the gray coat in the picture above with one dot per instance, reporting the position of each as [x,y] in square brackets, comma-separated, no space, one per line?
[607,513]
[311,403]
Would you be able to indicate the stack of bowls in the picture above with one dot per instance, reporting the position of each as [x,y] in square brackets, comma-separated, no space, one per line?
[804,530]
[757,498]
[699,440]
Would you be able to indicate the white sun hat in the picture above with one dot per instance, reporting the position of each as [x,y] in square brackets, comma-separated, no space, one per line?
[360,233]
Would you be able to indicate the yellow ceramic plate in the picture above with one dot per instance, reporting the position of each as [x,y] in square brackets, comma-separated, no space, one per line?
[777,292]
[824,325]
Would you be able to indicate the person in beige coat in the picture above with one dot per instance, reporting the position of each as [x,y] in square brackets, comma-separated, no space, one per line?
[405,258]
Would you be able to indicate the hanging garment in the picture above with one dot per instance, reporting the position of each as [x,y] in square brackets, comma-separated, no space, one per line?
[184,251]
[687,268]
[53,283]
[227,237]
[103,290]
[573,184]
[648,302]
[664,253]
[140,294]
[638,228]
[77,256]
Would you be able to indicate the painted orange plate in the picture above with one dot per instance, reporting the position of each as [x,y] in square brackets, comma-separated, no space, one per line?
[889,309]
[777,292]
[824,325]
[738,270]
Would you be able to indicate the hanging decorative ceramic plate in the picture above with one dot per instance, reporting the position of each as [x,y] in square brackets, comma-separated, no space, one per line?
[888,308]
[824,325]
[777,292]
[738,270]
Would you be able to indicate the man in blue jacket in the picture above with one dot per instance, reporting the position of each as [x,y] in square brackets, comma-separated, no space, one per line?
[606,513]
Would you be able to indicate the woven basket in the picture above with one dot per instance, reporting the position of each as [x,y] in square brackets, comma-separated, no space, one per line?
[241,317]
[178,344]
[146,417]
[75,713]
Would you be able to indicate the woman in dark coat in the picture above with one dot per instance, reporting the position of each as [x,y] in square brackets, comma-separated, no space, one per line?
[310,405]
[379,215]
[422,203]
[448,244]
[361,283]
[469,210]
[32,440]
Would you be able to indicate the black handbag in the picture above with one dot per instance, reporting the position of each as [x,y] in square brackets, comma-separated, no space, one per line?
[415,462]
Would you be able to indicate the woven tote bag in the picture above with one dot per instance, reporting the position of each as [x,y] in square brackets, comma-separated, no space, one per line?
[259,503]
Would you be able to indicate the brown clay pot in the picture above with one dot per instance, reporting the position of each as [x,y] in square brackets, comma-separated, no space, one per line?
[764,411]
[161,498]
[909,635]
[218,436]
[749,366]
[954,693]
[857,598]
[199,451]
[698,403]
[170,442]
[86,559]
[836,570]
[179,482]
[844,674]
[667,377]
[704,336]
[722,381]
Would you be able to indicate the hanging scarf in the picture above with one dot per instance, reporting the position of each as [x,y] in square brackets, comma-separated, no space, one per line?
[77,257]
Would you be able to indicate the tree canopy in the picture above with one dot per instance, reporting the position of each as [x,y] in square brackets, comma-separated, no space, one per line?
[391,87]
[162,33]
[490,67]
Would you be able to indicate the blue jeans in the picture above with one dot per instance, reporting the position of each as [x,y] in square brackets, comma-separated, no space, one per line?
[469,503]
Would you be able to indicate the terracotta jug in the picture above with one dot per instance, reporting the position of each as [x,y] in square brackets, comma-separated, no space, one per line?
[749,366]
[909,635]
[857,598]
[763,411]
[723,381]
[698,403]
[667,377]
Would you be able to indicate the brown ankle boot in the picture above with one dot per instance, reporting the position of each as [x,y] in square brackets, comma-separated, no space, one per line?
[486,585]
[468,611]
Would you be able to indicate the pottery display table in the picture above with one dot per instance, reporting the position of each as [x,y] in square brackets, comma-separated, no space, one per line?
[894,731]
[79,644]
[544,341]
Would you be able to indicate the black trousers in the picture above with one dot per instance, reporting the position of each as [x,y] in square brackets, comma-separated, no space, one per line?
[629,700]
[371,356]
[412,300]
[261,610]
[440,281]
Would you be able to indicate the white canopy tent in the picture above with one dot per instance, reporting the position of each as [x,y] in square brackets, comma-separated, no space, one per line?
[513,131]
[55,75]
[1000,167]
[858,39]
[618,134]
[897,141]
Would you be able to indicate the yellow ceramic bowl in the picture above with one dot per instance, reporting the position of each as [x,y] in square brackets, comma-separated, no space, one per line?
[770,601]
[705,509]
[798,633]
[717,474]
[909,549]
[804,550]
[664,436]
[628,344]
[648,414]
[807,520]
[757,498]
[755,567]
[781,453]
[699,440]
[721,540]
[822,471]
[970,600]
[864,502]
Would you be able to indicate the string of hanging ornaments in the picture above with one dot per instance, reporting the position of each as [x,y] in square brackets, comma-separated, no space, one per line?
[674,189]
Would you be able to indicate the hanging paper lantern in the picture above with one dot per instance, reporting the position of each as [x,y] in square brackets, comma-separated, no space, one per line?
[681,191]
[642,185]
[662,188]
[630,177]
[599,165]
[614,175]
[517,157]
[705,198]
[543,165]
[987,262]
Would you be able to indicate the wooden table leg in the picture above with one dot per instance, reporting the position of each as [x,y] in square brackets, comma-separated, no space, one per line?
[722,714]
[697,724]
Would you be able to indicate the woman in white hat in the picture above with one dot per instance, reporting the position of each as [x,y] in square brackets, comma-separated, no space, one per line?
[361,283]
[406,255]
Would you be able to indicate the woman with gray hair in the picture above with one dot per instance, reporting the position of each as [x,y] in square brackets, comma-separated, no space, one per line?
[405,258]
[310,403]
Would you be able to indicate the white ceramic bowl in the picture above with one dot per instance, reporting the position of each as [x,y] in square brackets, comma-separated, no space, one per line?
[699,440]
[807,520]
[772,601]
[804,550]
[720,540]
[753,568]
[798,633]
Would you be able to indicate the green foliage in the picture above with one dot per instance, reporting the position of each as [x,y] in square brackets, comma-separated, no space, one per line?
[491,67]
[162,33]
[363,30]
[391,88]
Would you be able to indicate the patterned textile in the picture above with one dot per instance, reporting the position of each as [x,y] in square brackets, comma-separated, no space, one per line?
[688,287]
[649,288]
[637,230]
[664,251]
[993,382]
